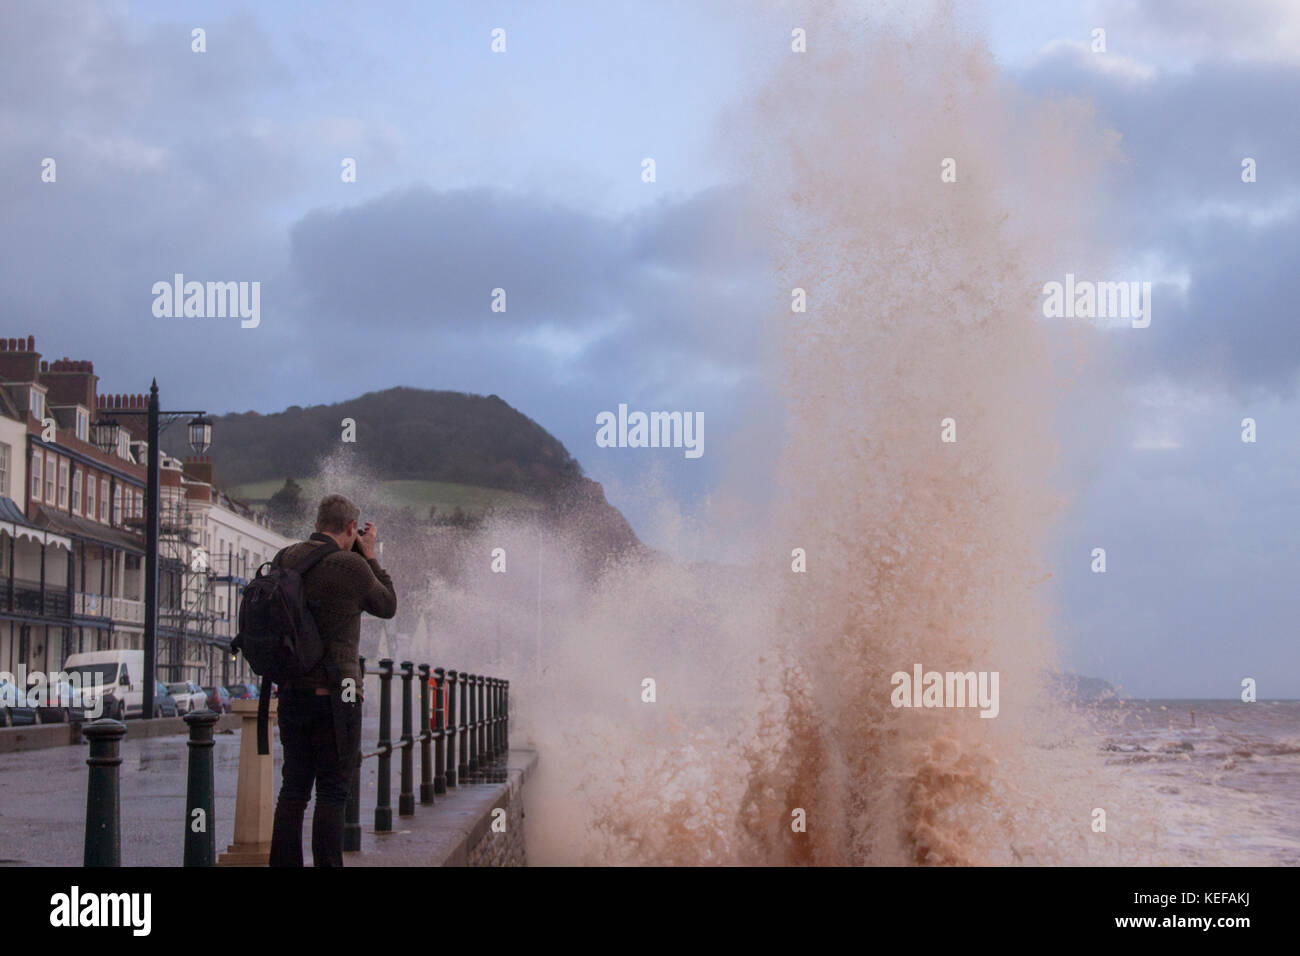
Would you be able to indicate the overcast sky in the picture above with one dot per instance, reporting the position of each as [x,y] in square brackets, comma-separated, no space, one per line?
[523,171]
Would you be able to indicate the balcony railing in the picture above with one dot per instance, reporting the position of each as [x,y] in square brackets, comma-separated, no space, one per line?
[26,596]
[101,605]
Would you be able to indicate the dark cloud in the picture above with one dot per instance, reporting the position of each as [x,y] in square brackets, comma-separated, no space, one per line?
[1184,137]
[434,257]
[659,309]
[171,161]
[1235,326]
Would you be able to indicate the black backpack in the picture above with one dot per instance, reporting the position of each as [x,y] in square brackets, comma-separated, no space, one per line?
[277,632]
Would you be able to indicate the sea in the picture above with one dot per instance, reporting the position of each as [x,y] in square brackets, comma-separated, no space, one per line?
[1223,777]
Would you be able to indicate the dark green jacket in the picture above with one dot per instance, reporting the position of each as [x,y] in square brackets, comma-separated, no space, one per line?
[339,588]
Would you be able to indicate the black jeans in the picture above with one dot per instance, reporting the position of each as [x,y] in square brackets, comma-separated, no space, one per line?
[309,727]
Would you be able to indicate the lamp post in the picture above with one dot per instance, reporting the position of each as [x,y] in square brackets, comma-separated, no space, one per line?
[107,434]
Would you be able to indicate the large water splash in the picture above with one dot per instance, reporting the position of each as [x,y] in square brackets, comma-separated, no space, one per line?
[773,687]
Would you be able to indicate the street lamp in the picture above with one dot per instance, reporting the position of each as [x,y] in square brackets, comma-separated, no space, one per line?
[200,433]
[107,433]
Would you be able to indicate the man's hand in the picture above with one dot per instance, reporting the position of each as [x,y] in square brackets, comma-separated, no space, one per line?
[366,540]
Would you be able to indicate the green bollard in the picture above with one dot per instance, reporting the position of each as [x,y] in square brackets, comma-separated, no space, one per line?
[200,827]
[103,845]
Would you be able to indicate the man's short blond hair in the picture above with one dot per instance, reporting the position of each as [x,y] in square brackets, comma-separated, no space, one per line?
[334,514]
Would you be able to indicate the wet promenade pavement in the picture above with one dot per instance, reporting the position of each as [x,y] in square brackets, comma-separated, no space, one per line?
[43,806]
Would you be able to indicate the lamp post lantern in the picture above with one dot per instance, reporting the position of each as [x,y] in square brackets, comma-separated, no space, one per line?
[107,436]
[200,433]
[107,432]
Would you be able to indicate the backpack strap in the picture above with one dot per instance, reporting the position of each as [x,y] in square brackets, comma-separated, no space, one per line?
[327,547]
[264,718]
[317,555]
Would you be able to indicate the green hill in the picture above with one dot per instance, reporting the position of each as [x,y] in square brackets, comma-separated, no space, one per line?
[457,454]
[404,433]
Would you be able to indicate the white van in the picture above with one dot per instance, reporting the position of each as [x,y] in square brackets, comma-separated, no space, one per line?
[122,676]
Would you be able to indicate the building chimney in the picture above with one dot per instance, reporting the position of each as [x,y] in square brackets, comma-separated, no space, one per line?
[19,360]
[199,468]
[71,382]
[136,425]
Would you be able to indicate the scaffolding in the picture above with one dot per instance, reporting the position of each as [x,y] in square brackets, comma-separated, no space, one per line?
[187,622]
[185,619]
[198,591]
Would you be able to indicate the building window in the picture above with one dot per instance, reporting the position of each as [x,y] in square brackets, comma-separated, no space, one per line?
[49,479]
[117,505]
[76,490]
[90,496]
[83,425]
[63,483]
[4,469]
[36,476]
[37,405]
[103,499]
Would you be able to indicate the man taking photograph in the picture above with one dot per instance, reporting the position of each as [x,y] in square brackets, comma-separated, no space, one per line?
[320,713]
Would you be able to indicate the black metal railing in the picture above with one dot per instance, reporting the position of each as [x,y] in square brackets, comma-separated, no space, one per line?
[483,730]
[28,597]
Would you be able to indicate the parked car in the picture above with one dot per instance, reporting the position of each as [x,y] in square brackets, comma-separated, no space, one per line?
[164,703]
[16,709]
[219,699]
[57,703]
[243,691]
[189,696]
[17,716]
[11,695]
